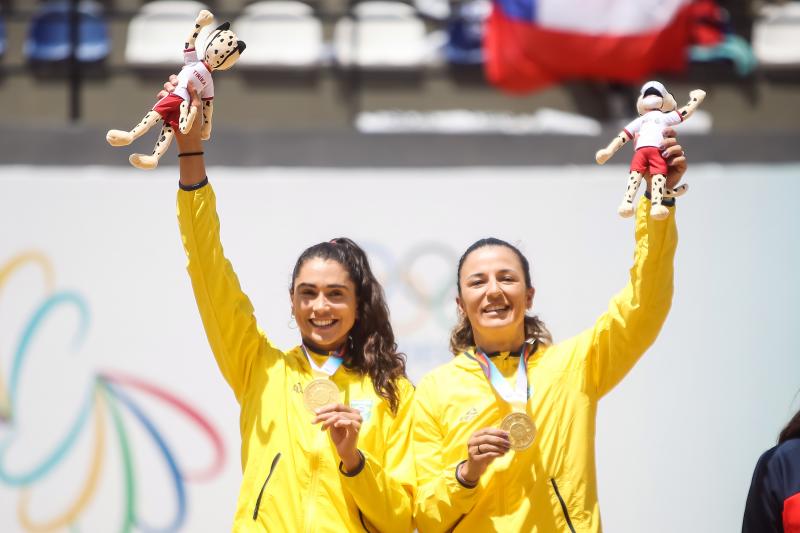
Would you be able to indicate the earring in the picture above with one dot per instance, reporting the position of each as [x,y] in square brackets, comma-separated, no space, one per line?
[292,320]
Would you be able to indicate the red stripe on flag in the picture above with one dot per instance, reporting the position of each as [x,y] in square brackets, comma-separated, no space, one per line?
[523,57]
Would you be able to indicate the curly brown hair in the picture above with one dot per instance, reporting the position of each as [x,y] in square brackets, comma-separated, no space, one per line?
[372,349]
[792,429]
[461,338]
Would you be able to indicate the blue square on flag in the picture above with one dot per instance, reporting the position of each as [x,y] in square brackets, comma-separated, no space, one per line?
[523,10]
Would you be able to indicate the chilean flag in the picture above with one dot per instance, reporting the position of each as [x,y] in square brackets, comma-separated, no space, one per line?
[530,44]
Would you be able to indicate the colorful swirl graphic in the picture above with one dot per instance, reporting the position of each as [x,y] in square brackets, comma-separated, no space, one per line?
[110,396]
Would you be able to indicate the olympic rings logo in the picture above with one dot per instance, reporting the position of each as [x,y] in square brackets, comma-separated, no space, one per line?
[108,398]
[420,284]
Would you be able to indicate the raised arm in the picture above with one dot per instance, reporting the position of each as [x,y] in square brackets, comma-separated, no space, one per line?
[192,167]
[607,351]
[226,311]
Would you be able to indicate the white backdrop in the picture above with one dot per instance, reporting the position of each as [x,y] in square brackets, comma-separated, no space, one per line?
[677,440]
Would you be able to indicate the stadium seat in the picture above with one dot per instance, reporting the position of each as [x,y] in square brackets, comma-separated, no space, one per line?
[434,9]
[2,37]
[49,36]
[157,32]
[776,35]
[465,33]
[381,35]
[280,34]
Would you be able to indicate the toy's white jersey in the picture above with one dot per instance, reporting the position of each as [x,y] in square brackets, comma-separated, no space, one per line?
[650,127]
[195,73]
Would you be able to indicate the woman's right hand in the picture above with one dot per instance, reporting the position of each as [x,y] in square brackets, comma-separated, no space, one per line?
[192,169]
[484,446]
[191,141]
[169,87]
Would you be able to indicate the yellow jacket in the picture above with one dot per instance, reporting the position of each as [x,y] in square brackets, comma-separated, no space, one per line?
[291,478]
[551,486]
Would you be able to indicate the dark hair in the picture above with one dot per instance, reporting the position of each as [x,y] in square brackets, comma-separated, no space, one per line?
[372,349]
[792,429]
[461,338]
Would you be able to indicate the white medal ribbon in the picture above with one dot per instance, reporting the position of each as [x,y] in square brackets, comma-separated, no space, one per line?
[518,396]
[330,366]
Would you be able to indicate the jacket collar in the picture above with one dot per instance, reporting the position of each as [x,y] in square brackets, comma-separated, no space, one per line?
[463,362]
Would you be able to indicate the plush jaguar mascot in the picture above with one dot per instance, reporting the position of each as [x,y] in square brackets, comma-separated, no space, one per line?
[222,50]
[657,109]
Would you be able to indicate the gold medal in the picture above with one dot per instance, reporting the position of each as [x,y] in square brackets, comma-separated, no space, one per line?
[521,430]
[320,392]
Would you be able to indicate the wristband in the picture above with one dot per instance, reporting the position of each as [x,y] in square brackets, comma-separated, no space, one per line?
[666,202]
[357,470]
[188,154]
[463,482]
[194,187]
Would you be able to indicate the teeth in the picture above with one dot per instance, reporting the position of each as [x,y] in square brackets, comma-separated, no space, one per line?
[322,323]
[496,308]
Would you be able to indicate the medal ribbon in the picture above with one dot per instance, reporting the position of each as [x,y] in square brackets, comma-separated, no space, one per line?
[518,396]
[329,368]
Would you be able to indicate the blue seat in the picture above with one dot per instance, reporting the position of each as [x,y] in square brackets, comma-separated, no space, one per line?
[49,40]
[465,33]
[2,37]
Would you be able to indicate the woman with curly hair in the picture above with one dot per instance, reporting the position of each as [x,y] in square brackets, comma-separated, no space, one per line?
[345,378]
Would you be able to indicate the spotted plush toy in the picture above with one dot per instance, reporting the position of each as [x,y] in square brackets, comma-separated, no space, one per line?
[657,110]
[222,50]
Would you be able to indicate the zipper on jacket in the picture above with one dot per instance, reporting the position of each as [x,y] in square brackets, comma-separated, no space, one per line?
[563,505]
[363,524]
[261,492]
[501,500]
[314,466]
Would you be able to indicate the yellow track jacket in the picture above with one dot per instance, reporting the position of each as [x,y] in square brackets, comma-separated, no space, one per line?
[551,486]
[292,481]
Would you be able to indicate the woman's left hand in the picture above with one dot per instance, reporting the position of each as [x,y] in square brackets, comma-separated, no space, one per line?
[343,424]
[675,157]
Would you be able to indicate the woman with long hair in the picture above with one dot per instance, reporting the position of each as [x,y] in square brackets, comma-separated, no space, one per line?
[773,503]
[346,378]
[504,433]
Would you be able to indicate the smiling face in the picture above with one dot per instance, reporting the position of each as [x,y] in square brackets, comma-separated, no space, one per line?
[494,297]
[324,303]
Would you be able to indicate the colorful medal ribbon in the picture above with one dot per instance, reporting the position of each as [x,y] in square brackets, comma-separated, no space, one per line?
[518,396]
[329,368]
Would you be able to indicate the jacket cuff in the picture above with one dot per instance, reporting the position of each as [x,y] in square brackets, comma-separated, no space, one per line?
[666,202]
[461,480]
[194,187]
[358,469]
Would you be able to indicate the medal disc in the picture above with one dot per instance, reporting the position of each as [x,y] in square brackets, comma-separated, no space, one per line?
[320,392]
[521,430]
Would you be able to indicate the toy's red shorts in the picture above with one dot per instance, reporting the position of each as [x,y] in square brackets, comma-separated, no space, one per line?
[649,157]
[169,108]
